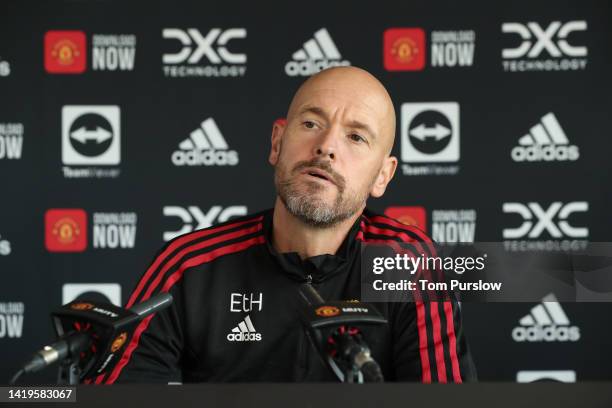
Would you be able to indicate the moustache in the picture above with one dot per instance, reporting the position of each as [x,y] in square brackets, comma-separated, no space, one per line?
[324,165]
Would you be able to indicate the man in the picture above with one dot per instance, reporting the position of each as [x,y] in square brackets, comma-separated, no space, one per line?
[235,285]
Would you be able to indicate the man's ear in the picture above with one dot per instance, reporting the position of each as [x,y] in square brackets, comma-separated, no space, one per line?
[278,128]
[384,176]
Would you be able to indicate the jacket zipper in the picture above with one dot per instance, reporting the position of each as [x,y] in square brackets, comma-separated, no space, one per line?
[304,345]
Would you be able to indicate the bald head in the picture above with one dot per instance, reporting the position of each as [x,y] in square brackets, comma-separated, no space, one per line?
[361,91]
[333,152]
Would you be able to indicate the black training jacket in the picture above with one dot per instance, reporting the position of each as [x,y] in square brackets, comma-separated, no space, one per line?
[235,311]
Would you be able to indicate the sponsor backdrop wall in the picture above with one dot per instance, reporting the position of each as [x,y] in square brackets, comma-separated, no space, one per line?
[124,125]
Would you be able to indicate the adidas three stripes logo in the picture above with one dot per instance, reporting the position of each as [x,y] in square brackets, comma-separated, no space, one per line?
[245,331]
[546,141]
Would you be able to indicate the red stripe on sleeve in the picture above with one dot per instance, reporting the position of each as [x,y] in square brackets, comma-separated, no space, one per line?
[438,344]
[198,260]
[176,258]
[176,244]
[397,224]
[452,341]
[422,330]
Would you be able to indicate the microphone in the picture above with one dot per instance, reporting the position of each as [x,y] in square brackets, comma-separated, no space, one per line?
[95,324]
[354,350]
[68,346]
[152,305]
[310,295]
[341,345]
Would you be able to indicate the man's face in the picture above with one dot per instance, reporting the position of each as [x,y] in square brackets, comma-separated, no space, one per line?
[331,152]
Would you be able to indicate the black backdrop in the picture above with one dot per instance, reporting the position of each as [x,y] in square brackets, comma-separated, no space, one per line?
[135,188]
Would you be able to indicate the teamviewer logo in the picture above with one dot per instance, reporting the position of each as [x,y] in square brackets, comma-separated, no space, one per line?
[430,132]
[99,292]
[91,135]
[529,376]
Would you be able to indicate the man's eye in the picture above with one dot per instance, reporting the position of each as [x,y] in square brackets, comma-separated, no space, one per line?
[309,125]
[357,138]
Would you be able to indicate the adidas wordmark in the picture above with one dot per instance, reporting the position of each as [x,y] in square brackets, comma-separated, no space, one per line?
[205,146]
[245,331]
[546,322]
[545,141]
[317,54]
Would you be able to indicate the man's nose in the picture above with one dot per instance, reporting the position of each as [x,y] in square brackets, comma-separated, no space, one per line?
[327,145]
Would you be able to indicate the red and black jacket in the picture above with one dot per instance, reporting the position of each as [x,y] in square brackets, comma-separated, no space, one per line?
[234,316]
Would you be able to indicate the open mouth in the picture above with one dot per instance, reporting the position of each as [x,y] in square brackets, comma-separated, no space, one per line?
[318,174]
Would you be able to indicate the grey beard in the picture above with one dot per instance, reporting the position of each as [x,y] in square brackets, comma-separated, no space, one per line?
[314,212]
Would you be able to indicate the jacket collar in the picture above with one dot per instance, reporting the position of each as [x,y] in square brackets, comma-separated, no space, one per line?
[320,267]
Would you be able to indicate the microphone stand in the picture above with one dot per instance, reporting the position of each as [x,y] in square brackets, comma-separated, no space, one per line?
[91,338]
[69,372]
[333,329]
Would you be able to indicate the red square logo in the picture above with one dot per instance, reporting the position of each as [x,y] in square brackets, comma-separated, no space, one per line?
[409,215]
[404,49]
[65,52]
[65,230]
